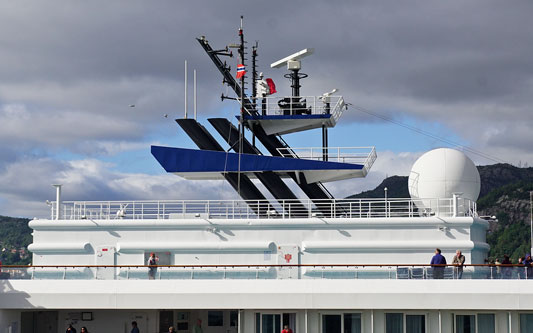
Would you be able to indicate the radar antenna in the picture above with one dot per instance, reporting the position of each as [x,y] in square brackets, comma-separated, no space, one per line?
[294,65]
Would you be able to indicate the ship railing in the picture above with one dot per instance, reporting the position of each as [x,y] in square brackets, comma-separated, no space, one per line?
[266,209]
[267,272]
[301,106]
[352,155]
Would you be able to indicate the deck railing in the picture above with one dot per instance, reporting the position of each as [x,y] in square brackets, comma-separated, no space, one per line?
[264,209]
[302,105]
[267,272]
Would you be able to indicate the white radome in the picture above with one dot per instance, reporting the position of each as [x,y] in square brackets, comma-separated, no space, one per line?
[441,172]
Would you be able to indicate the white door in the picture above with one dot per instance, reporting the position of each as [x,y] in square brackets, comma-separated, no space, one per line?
[105,255]
[288,255]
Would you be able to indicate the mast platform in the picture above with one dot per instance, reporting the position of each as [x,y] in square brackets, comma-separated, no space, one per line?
[284,115]
[208,164]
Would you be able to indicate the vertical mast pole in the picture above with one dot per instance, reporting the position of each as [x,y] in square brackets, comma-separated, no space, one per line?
[254,74]
[241,122]
[185,89]
[254,84]
[194,92]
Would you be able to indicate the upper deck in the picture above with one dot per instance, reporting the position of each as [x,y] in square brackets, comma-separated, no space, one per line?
[264,209]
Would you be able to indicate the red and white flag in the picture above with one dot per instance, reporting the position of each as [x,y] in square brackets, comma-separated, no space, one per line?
[241,70]
[271,86]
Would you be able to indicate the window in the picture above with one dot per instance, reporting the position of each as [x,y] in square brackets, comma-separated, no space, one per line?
[526,322]
[475,323]
[408,323]
[215,318]
[352,323]
[331,323]
[415,324]
[233,318]
[394,322]
[486,323]
[166,318]
[270,323]
[465,324]
[341,323]
[274,322]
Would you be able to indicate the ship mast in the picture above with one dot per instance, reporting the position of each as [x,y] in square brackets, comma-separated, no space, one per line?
[241,124]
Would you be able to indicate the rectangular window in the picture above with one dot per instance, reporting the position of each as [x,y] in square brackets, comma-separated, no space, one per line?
[352,323]
[331,323]
[415,324]
[270,323]
[526,322]
[233,318]
[465,324]
[215,318]
[485,323]
[394,322]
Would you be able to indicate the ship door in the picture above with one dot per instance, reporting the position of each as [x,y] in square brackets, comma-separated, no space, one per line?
[288,255]
[105,255]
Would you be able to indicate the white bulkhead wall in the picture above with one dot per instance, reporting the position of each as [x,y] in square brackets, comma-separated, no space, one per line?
[227,242]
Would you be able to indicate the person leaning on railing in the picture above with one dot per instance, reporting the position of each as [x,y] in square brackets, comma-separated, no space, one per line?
[458,261]
[507,270]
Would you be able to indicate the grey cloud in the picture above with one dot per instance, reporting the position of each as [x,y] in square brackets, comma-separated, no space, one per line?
[74,68]
[25,185]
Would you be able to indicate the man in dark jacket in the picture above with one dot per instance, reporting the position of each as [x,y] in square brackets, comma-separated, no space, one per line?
[438,259]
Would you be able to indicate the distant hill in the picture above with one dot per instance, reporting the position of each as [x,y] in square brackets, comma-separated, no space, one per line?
[396,188]
[492,177]
[504,193]
[496,175]
[15,236]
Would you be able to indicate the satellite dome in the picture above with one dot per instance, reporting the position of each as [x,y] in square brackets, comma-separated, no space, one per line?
[441,172]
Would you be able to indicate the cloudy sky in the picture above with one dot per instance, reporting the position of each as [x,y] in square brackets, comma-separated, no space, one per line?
[461,72]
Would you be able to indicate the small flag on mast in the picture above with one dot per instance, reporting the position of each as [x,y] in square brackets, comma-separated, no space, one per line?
[241,70]
[271,86]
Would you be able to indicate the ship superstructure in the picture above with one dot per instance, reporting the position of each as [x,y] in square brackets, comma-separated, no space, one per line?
[316,264]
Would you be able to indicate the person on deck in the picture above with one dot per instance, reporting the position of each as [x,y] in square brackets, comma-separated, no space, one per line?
[286,329]
[152,263]
[198,327]
[134,328]
[438,259]
[528,262]
[458,261]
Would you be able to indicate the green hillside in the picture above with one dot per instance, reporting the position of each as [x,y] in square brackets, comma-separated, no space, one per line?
[15,236]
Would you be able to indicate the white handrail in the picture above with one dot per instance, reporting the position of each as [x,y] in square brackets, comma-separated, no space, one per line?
[265,209]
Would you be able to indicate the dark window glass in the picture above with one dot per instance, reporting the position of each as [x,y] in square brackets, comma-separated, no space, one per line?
[485,323]
[415,324]
[331,323]
[526,322]
[394,322]
[233,318]
[271,323]
[352,323]
[215,318]
[166,319]
[465,324]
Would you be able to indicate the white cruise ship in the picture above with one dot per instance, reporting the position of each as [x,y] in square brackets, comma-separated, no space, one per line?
[315,264]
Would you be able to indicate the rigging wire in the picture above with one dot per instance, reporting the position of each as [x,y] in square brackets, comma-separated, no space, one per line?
[425,133]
